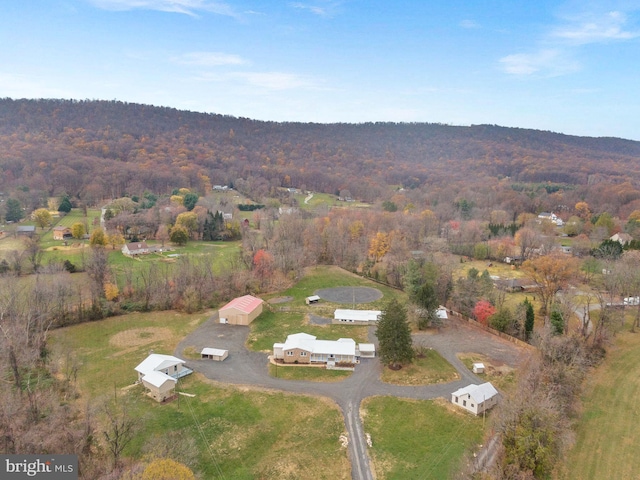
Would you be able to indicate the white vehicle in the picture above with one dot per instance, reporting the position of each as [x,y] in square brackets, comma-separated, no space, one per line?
[631,301]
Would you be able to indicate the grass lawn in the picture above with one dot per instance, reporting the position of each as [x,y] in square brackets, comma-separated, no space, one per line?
[313,374]
[607,436]
[415,439]
[221,432]
[290,317]
[431,368]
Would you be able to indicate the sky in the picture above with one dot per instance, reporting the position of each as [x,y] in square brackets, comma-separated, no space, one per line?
[571,67]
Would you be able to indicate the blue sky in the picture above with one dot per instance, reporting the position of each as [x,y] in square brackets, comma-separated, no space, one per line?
[570,67]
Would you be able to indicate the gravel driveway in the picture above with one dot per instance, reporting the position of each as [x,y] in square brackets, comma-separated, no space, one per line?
[244,367]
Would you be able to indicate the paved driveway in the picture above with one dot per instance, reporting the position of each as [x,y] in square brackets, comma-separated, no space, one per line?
[250,368]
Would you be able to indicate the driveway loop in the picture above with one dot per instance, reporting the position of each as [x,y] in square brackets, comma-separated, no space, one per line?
[351,295]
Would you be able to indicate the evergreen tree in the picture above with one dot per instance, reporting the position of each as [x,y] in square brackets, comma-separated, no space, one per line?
[394,336]
[190,200]
[529,319]
[65,205]
[557,323]
[14,211]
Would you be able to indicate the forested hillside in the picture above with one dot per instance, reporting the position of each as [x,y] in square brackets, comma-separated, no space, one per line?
[93,150]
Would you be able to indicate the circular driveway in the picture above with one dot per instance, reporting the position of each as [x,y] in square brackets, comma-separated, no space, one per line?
[351,295]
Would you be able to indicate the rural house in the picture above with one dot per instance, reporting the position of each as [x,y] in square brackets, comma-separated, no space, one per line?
[241,310]
[159,374]
[135,248]
[622,238]
[475,398]
[61,233]
[356,317]
[305,348]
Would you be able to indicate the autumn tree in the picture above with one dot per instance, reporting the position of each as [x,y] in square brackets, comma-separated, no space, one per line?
[263,264]
[116,240]
[179,235]
[583,211]
[189,221]
[166,469]
[394,336]
[78,230]
[379,246]
[42,217]
[551,273]
[98,238]
[483,310]
[527,239]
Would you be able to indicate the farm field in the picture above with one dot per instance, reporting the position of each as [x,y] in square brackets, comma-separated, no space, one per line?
[415,439]
[607,436]
[214,428]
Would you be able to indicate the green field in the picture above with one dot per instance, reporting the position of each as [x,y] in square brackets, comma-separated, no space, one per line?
[425,370]
[415,439]
[221,432]
[607,437]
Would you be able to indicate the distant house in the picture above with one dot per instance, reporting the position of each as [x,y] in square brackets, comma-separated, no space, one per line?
[61,233]
[550,217]
[160,373]
[26,230]
[135,248]
[287,210]
[216,354]
[622,238]
[241,310]
[476,398]
[356,317]
[305,348]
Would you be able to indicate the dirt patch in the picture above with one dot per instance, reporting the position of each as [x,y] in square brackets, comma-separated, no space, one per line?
[280,300]
[350,294]
[137,337]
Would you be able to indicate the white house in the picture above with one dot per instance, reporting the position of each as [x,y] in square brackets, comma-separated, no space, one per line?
[551,217]
[476,398]
[159,374]
[135,248]
[305,348]
[622,238]
[356,317]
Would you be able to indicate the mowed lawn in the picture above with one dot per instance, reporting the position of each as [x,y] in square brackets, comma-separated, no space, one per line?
[218,431]
[607,435]
[418,439]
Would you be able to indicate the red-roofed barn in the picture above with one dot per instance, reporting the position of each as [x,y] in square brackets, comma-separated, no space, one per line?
[241,310]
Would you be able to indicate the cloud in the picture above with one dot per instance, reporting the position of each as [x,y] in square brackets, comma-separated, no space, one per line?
[187,7]
[594,29]
[546,62]
[469,24]
[322,9]
[276,81]
[209,59]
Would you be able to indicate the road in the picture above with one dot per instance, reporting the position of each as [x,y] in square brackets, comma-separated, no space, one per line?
[244,367]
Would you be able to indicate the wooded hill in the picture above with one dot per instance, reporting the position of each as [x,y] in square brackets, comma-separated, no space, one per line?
[93,150]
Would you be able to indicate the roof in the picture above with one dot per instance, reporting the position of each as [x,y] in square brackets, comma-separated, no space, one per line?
[157,379]
[358,315]
[136,246]
[218,352]
[366,347]
[157,361]
[313,298]
[309,343]
[479,393]
[441,313]
[246,304]
[60,228]
[26,228]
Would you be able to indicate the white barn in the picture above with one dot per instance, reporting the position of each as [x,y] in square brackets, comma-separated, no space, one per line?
[476,398]
[356,317]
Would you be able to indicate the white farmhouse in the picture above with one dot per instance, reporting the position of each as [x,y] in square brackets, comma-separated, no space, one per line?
[305,348]
[476,398]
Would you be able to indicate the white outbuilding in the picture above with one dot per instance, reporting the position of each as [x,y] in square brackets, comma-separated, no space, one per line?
[216,354]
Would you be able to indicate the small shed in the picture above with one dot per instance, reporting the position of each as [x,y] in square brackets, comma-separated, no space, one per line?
[478,367]
[161,386]
[367,350]
[312,299]
[216,354]
[476,398]
[26,230]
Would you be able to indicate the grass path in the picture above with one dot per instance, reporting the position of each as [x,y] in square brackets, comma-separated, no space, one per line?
[608,438]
